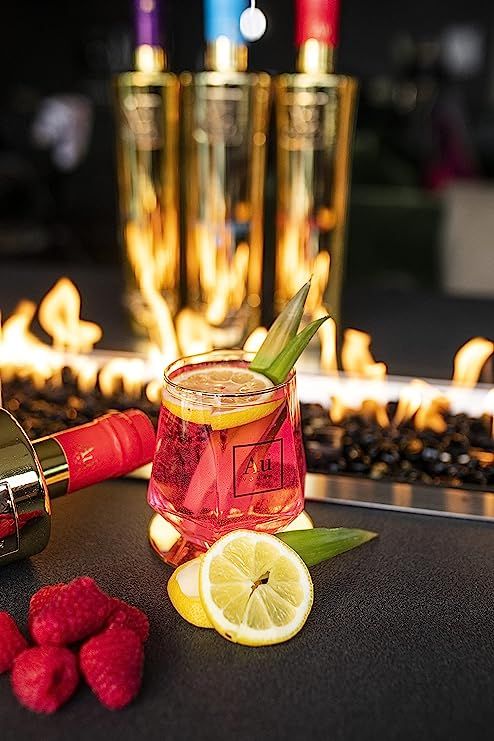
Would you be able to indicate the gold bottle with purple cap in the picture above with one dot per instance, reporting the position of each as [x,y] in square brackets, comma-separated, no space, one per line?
[147,105]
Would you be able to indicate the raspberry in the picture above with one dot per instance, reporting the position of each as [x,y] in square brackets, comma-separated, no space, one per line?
[124,615]
[112,665]
[40,599]
[12,642]
[44,677]
[69,613]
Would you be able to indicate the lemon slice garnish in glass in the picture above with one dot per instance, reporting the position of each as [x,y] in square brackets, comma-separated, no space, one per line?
[221,409]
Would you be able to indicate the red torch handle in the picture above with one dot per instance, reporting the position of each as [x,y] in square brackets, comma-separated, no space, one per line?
[109,447]
[317,19]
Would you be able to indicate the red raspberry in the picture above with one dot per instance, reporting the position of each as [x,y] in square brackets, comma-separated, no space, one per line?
[44,678]
[112,665]
[41,598]
[70,613]
[124,615]
[12,642]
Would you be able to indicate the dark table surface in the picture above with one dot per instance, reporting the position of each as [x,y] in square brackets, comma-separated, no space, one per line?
[399,645]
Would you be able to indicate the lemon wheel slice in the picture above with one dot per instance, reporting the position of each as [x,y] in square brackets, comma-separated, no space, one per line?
[254,589]
[183,590]
[223,381]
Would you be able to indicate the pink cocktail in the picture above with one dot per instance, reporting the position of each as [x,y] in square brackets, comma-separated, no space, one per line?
[229,451]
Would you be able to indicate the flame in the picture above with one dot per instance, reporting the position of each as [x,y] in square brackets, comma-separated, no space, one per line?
[327,337]
[223,281]
[193,332]
[129,372]
[430,415]
[356,357]
[16,332]
[409,401]
[469,361]
[489,408]
[255,339]
[358,362]
[86,372]
[21,353]
[339,409]
[375,410]
[295,268]
[59,315]
[154,269]
[320,279]
[424,404]
[153,391]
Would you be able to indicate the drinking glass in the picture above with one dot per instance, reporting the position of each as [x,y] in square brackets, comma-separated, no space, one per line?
[225,461]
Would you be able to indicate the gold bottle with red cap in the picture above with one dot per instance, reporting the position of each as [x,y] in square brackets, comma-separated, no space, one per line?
[315,114]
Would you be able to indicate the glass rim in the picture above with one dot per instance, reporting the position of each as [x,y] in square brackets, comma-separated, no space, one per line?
[235,353]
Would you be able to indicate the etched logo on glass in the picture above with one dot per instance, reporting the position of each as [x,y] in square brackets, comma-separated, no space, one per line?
[308,120]
[223,116]
[143,115]
[257,468]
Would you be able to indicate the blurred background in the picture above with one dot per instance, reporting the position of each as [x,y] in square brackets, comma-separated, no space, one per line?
[421,218]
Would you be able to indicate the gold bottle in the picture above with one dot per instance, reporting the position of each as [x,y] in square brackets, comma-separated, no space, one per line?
[315,122]
[225,119]
[147,106]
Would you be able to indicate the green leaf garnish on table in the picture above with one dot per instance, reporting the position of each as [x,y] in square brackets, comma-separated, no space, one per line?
[283,346]
[321,543]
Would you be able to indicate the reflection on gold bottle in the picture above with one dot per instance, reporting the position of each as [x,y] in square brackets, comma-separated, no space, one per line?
[315,114]
[225,116]
[147,104]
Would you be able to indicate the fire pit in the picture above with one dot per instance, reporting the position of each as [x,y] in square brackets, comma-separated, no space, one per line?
[359,422]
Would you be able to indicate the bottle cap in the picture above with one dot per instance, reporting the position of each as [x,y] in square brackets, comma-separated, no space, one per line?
[318,20]
[222,18]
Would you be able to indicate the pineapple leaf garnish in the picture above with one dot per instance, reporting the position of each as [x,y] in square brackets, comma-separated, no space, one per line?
[283,329]
[321,543]
[281,366]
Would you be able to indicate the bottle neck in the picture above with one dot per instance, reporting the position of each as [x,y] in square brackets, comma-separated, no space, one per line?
[150,59]
[54,464]
[224,55]
[315,57]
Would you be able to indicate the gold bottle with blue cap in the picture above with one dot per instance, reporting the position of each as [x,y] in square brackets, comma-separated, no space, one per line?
[225,118]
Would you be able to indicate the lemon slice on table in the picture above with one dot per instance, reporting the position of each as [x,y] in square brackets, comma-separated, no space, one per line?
[183,585]
[183,590]
[221,380]
[255,590]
